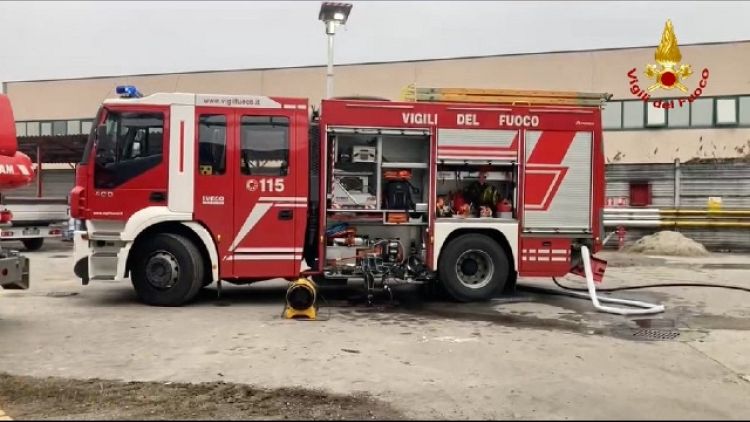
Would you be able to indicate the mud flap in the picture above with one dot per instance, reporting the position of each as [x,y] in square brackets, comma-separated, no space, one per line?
[81,270]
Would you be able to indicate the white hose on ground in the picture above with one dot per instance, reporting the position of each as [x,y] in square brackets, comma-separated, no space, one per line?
[647,308]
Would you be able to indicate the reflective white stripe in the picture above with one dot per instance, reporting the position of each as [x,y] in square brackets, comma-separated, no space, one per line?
[258,211]
[23,169]
[263,257]
[559,258]
[266,250]
[282,199]
[288,205]
[565,251]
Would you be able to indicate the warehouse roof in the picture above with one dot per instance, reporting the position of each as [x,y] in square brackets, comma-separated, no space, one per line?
[379,62]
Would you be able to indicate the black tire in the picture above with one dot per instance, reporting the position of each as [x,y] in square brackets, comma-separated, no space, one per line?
[33,244]
[167,270]
[473,267]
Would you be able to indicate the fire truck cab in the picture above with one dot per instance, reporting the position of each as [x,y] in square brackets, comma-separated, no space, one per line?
[176,191]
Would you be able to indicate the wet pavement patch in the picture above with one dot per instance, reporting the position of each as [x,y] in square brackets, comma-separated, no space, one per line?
[61,294]
[661,323]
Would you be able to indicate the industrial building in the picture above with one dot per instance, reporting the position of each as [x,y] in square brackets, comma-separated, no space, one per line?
[709,118]
[718,120]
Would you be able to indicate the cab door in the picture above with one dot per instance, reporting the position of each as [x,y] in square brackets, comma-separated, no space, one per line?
[266,203]
[131,161]
[214,176]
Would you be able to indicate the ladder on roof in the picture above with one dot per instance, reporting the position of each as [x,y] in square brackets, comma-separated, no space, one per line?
[503,96]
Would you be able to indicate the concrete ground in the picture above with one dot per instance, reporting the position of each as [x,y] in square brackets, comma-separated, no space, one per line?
[532,356]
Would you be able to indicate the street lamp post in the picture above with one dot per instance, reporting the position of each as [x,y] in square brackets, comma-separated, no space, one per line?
[332,14]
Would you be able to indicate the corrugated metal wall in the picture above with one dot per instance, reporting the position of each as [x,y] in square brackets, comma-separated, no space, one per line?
[696,183]
[730,181]
[660,176]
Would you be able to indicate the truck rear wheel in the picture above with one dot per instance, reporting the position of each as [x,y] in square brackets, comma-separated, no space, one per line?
[167,270]
[33,244]
[473,267]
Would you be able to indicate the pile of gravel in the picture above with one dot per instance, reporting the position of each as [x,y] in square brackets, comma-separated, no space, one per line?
[667,243]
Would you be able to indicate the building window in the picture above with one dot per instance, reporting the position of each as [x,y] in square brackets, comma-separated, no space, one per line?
[74,127]
[264,145]
[702,113]
[612,115]
[46,129]
[744,117]
[679,116]
[32,129]
[86,126]
[21,129]
[655,116]
[632,114]
[640,194]
[212,142]
[59,128]
[726,111]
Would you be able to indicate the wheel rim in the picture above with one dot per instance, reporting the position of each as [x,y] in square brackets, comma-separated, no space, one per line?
[474,268]
[162,270]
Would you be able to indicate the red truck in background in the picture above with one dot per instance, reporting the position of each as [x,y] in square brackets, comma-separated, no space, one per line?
[16,170]
[466,189]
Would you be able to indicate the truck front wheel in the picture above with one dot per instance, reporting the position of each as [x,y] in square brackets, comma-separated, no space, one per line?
[166,270]
[473,267]
[33,244]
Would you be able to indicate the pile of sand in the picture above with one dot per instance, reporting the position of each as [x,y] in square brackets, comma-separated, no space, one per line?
[667,243]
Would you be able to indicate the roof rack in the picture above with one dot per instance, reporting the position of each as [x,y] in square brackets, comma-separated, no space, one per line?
[503,96]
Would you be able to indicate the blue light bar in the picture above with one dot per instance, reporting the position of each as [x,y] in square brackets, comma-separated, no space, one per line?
[128,91]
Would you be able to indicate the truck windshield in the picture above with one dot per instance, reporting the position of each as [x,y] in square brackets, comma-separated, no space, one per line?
[132,143]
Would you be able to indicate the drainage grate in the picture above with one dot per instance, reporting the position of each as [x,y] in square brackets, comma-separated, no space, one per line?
[654,334]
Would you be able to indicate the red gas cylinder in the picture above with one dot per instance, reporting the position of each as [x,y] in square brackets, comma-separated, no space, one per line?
[504,209]
[458,202]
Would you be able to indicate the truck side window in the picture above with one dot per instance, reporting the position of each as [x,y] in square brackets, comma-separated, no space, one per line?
[140,136]
[264,145]
[133,144]
[212,143]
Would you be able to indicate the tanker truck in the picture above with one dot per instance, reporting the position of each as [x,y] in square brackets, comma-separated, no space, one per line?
[16,170]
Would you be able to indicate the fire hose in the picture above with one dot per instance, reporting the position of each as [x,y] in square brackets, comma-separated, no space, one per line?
[645,308]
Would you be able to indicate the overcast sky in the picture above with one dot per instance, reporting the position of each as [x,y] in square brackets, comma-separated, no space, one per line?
[51,40]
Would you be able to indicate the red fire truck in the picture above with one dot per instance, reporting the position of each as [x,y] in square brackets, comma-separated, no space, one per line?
[468,188]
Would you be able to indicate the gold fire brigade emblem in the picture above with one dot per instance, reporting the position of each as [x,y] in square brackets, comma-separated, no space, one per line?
[670,73]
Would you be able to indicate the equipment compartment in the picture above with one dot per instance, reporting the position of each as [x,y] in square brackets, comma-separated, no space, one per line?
[474,190]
